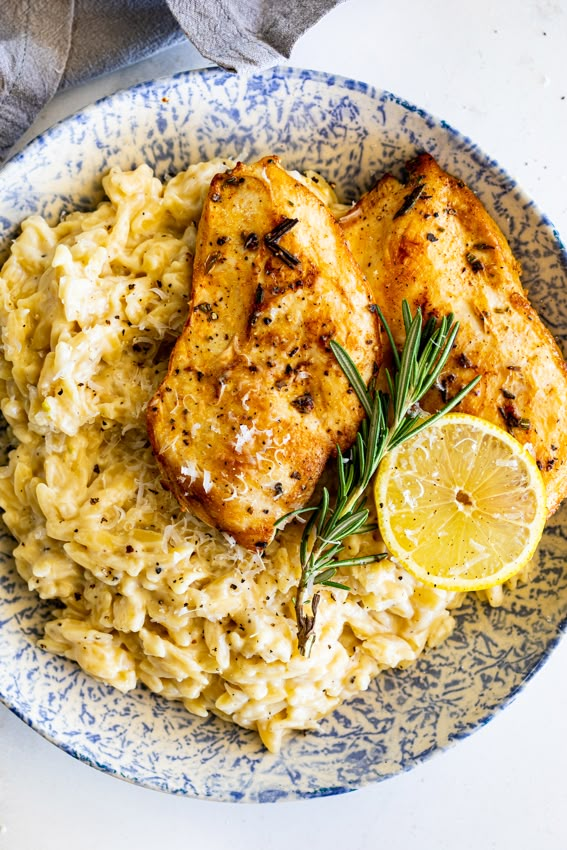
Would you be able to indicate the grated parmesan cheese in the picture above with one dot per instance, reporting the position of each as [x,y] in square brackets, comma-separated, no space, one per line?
[207,481]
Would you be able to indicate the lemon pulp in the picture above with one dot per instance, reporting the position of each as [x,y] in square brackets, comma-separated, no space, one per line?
[462,504]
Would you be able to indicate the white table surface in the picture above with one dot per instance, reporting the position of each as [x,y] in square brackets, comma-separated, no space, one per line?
[497,71]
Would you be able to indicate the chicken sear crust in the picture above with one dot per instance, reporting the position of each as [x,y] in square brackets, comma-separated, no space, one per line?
[431,241]
[254,401]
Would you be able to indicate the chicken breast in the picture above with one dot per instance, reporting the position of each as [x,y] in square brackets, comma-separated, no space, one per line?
[254,401]
[430,241]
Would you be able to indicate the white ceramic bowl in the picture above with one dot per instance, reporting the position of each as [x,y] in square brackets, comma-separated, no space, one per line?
[350,133]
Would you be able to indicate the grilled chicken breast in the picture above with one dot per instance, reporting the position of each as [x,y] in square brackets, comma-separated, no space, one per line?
[431,242]
[254,401]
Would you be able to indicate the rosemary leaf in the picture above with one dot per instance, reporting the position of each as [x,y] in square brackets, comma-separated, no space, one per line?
[353,376]
[326,576]
[361,560]
[406,315]
[386,327]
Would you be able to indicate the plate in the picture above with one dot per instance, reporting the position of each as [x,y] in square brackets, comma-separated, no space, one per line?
[350,132]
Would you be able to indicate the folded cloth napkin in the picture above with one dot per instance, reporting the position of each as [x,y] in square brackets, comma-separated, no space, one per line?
[46,45]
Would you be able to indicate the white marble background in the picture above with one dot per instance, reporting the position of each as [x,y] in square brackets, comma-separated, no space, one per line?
[497,71]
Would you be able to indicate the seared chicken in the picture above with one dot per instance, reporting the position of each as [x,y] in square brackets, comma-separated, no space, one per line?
[254,402]
[431,241]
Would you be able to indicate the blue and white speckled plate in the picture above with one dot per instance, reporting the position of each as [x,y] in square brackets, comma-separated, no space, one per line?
[349,132]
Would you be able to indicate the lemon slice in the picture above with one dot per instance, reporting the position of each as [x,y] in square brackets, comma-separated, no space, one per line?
[461,505]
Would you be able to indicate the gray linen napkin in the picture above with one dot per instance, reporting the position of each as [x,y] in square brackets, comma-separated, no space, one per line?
[50,44]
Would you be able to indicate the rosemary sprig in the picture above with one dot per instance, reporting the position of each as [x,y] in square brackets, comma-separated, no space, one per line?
[391,418]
